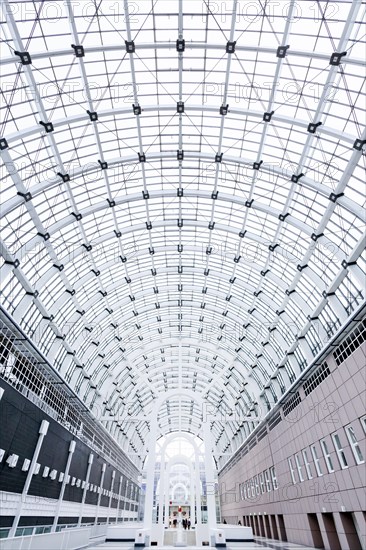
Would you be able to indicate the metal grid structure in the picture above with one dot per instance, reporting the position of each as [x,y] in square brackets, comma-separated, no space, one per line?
[182,199]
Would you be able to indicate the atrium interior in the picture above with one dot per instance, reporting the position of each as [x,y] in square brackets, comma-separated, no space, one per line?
[182,316]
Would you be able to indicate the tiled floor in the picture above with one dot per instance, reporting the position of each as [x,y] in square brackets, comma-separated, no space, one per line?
[259,544]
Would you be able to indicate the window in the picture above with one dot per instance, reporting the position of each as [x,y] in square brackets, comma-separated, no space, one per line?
[363,423]
[299,467]
[256,485]
[316,459]
[340,452]
[291,404]
[274,478]
[268,481]
[307,464]
[261,482]
[351,343]
[292,471]
[356,449]
[326,453]
[317,378]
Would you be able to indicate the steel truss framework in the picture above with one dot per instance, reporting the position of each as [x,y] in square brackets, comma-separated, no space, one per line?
[182,200]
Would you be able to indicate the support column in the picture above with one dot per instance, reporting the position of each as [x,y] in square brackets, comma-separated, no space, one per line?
[110,496]
[42,432]
[161,492]
[100,492]
[150,473]
[90,462]
[63,486]
[360,526]
[341,532]
[210,479]
[198,491]
[192,497]
[119,497]
[167,496]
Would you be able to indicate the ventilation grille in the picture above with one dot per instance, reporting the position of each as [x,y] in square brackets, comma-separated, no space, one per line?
[252,443]
[351,343]
[291,404]
[276,419]
[262,433]
[317,378]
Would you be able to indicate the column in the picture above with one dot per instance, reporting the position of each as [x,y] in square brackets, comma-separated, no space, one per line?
[192,497]
[210,479]
[161,492]
[110,496]
[90,462]
[100,492]
[119,497]
[63,486]
[341,532]
[198,490]
[150,472]
[167,496]
[42,432]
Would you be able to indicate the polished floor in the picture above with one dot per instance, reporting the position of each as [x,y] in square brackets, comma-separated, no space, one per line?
[260,543]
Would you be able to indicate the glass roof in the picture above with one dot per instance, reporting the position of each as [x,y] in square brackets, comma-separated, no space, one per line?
[182,198]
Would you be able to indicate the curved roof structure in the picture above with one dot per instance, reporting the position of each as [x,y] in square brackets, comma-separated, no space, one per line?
[182,199]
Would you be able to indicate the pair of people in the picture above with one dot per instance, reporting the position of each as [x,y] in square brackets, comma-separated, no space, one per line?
[186,523]
[225,522]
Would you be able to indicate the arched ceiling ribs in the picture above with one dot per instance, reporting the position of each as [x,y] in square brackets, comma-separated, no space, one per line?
[129,239]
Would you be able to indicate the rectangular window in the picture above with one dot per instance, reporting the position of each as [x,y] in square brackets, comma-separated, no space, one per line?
[316,459]
[274,478]
[253,488]
[340,452]
[299,466]
[326,453]
[307,464]
[256,485]
[268,481]
[261,482]
[363,423]
[356,449]
[292,471]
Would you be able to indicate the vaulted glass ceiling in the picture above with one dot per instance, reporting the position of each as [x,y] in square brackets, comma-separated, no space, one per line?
[182,199]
